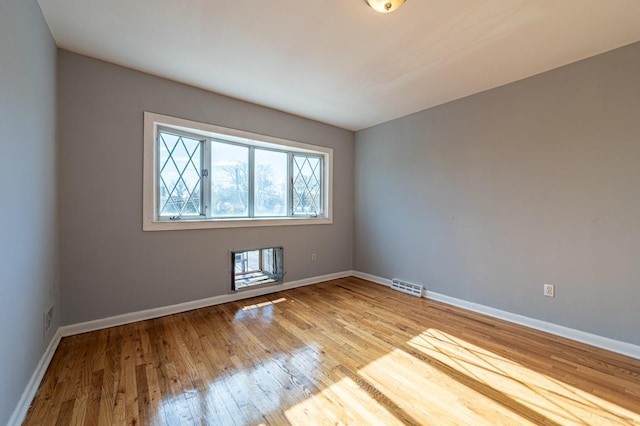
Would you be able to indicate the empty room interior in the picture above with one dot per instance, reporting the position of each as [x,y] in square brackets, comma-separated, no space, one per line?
[337,212]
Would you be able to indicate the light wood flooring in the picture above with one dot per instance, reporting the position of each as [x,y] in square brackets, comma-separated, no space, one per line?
[342,352]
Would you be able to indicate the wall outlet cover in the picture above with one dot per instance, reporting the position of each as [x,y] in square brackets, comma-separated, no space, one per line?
[549,290]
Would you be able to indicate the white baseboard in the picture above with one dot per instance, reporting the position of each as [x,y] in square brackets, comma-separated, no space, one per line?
[372,278]
[32,387]
[84,327]
[612,345]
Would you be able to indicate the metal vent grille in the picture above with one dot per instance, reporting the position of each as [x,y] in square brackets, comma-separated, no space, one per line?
[405,287]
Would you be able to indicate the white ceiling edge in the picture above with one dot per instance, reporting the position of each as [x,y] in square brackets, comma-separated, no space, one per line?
[351,68]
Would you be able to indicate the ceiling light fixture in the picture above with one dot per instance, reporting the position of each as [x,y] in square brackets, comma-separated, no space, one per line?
[384,6]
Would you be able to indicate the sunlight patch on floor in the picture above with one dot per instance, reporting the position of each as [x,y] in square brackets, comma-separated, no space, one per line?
[263,304]
[431,394]
[356,406]
[254,311]
[530,390]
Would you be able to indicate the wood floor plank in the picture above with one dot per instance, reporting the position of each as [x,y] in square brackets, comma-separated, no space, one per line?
[92,415]
[337,353]
[66,413]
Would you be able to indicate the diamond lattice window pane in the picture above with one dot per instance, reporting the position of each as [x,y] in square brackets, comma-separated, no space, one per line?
[307,187]
[180,175]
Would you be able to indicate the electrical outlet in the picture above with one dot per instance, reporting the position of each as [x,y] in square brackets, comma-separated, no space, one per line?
[48,319]
[550,290]
[313,257]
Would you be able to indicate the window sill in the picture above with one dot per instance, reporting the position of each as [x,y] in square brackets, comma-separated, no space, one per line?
[151,225]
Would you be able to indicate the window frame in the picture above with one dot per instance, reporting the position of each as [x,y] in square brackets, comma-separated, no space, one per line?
[151,222]
[280,273]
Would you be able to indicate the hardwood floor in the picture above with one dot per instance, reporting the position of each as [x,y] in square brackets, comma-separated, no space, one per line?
[342,352]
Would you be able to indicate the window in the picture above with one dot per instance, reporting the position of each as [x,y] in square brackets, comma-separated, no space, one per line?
[256,267]
[198,175]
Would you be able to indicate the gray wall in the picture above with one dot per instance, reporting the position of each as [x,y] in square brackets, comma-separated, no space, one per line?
[489,197]
[109,266]
[28,235]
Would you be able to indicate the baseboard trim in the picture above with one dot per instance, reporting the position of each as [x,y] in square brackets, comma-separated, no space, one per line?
[612,345]
[84,327]
[372,278]
[32,387]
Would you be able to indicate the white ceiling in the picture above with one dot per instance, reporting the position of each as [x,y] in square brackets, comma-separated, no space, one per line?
[337,61]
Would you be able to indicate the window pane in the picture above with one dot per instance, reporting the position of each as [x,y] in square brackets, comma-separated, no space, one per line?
[229,180]
[180,175]
[253,260]
[307,185]
[270,180]
[240,263]
[247,261]
[268,266]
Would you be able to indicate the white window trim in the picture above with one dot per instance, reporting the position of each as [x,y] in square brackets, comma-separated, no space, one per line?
[150,221]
